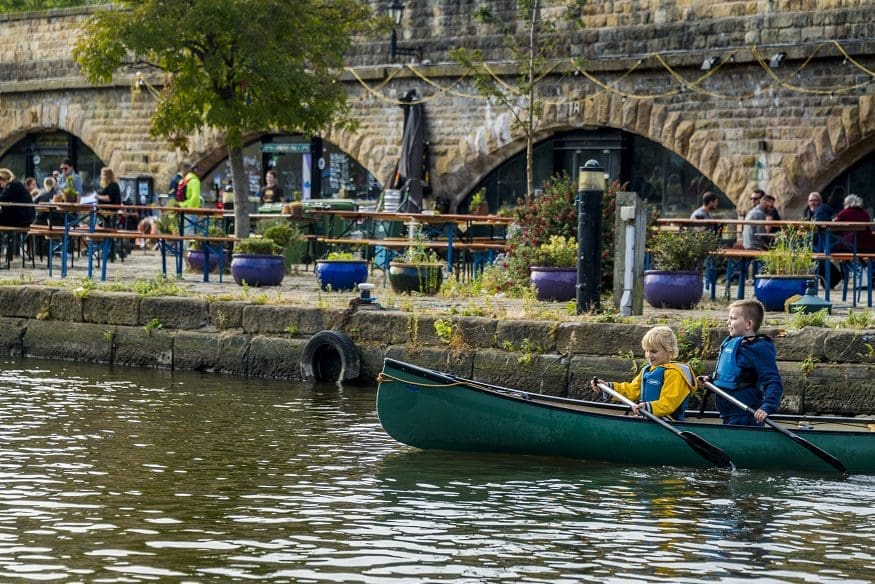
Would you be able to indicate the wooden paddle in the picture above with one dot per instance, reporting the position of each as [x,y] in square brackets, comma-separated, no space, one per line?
[822,454]
[702,447]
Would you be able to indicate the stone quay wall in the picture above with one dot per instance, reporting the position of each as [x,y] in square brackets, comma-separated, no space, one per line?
[824,370]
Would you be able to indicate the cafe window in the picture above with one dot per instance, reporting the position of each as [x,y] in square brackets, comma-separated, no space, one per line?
[38,154]
[857,180]
[316,168]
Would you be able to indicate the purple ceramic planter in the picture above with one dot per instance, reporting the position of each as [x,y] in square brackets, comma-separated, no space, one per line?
[258,269]
[559,284]
[672,289]
[195,260]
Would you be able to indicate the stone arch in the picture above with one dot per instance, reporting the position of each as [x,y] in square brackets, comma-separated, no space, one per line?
[485,147]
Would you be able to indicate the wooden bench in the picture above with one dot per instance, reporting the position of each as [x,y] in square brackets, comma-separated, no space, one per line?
[15,238]
[101,238]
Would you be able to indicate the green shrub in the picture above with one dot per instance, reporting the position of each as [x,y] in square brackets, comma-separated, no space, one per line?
[257,246]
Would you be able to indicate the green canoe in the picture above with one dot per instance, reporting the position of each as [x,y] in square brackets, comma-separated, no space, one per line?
[438,411]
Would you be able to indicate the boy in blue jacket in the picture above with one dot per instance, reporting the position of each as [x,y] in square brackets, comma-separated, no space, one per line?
[747,367]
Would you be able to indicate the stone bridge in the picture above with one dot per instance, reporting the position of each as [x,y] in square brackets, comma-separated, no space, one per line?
[741,123]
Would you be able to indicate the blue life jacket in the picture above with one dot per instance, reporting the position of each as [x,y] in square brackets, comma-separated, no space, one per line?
[728,374]
[652,379]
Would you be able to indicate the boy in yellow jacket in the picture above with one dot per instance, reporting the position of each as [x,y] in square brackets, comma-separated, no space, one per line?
[662,387]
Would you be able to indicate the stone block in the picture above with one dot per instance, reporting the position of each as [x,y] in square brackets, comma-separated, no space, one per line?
[226,315]
[383,327]
[536,373]
[371,364]
[435,358]
[196,351]
[66,306]
[269,318]
[839,389]
[582,368]
[799,345]
[526,335]
[136,347]
[111,308]
[174,312]
[11,334]
[847,346]
[600,338]
[25,301]
[275,357]
[75,341]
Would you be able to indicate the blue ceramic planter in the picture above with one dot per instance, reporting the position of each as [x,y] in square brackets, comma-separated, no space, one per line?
[258,269]
[671,289]
[195,260]
[341,274]
[773,291]
[559,284]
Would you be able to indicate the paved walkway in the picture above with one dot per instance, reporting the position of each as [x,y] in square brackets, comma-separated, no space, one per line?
[301,288]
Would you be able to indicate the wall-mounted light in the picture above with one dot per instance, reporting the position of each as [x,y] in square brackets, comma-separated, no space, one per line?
[395,9]
[776,60]
[710,63]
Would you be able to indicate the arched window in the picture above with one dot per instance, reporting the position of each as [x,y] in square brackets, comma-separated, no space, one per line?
[39,154]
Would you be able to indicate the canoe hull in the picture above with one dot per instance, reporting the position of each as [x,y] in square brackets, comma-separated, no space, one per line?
[432,410]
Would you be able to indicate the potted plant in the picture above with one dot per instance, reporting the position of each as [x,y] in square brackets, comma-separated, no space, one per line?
[679,258]
[195,256]
[554,272]
[478,204]
[257,262]
[418,269]
[295,208]
[341,271]
[287,237]
[787,268]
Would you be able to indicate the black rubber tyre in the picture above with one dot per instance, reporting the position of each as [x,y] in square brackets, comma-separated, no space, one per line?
[330,356]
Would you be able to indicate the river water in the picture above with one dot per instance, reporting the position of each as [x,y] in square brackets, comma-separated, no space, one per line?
[126,475]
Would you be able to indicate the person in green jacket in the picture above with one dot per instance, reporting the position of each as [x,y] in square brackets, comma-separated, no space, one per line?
[192,187]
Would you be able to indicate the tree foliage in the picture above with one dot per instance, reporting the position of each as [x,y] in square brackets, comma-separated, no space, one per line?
[35,5]
[237,66]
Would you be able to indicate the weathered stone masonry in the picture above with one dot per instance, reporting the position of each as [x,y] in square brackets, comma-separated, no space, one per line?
[811,136]
[241,338]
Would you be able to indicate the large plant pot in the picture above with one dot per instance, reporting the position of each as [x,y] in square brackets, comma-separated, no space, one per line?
[195,260]
[423,278]
[672,289]
[341,274]
[559,284]
[773,291]
[258,269]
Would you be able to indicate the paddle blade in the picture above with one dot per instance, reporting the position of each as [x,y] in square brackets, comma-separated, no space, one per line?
[707,450]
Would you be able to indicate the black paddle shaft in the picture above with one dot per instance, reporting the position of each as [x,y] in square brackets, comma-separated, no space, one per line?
[702,447]
[820,453]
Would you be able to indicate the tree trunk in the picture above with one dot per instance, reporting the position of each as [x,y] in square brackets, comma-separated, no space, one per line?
[241,192]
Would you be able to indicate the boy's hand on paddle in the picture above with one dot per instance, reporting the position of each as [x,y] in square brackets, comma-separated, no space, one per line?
[760,415]
[595,384]
[703,379]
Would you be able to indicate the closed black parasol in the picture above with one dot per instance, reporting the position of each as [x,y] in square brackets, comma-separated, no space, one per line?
[411,175]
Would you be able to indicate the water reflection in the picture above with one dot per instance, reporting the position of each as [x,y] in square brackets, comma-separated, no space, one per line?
[126,476]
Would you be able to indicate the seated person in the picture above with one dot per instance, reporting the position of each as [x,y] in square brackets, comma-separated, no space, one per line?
[754,236]
[14,192]
[662,387]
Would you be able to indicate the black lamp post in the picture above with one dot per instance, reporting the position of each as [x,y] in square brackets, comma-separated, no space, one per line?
[396,11]
[590,189]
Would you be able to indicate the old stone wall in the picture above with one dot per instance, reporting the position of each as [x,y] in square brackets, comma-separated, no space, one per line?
[824,370]
[794,128]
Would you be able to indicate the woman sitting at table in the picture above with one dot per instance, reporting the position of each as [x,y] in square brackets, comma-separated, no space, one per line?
[14,192]
[853,211]
[109,193]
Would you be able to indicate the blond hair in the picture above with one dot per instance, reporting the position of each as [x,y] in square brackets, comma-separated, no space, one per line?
[49,183]
[751,310]
[661,337]
[6,174]
[107,176]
